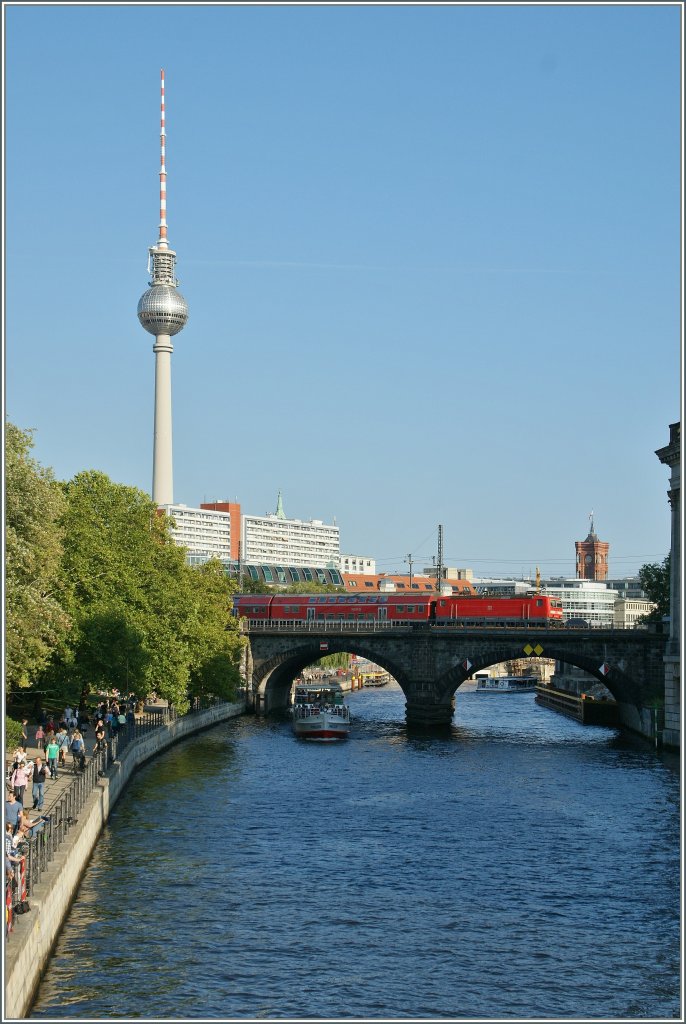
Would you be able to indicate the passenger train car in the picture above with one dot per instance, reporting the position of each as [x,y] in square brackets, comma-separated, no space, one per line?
[400,609]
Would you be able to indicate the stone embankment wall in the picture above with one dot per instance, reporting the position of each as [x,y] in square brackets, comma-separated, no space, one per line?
[29,947]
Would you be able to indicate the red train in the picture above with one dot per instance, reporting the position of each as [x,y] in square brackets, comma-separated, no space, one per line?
[534,609]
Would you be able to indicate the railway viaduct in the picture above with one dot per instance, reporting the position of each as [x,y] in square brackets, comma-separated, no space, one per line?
[431,662]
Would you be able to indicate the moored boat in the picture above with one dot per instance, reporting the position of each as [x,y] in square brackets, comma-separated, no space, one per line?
[319,712]
[506,684]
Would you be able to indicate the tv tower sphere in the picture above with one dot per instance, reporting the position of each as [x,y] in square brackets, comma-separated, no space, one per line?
[163,310]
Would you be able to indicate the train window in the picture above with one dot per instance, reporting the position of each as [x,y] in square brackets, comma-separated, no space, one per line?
[311,600]
[410,609]
[539,603]
[442,603]
[400,607]
[384,598]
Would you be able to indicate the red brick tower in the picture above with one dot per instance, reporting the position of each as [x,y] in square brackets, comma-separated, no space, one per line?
[591,557]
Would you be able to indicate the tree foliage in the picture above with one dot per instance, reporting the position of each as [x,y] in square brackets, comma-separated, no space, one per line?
[143,620]
[655,578]
[35,618]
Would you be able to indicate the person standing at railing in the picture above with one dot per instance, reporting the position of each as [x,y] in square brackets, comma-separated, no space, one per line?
[52,753]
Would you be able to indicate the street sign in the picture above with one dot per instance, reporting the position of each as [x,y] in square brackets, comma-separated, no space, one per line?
[604,669]
[466,664]
[324,645]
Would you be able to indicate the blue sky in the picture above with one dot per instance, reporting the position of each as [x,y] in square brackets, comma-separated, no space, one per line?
[431,255]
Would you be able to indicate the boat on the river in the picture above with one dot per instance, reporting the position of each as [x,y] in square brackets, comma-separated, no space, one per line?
[506,684]
[319,712]
[375,678]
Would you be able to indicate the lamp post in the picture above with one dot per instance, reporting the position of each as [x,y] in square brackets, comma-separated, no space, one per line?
[410,560]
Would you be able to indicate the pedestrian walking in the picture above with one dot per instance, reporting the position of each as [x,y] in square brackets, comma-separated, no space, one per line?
[14,812]
[39,777]
[64,742]
[99,736]
[24,734]
[19,781]
[78,749]
[40,736]
[52,752]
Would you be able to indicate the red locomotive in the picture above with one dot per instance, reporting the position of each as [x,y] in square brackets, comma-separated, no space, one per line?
[399,609]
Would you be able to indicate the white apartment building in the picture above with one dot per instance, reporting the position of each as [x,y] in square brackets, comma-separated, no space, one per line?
[584,599]
[203,532]
[273,539]
[358,564]
[629,609]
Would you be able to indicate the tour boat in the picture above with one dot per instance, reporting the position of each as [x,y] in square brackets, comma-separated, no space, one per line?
[319,712]
[506,684]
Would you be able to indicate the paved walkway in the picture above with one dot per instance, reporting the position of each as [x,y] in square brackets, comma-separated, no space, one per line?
[54,789]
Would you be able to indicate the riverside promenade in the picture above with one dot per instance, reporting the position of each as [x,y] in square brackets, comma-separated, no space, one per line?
[29,945]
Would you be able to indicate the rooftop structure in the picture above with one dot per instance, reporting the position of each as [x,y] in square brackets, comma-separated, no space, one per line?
[591,556]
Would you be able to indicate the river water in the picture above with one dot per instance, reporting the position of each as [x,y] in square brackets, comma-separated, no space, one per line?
[524,867]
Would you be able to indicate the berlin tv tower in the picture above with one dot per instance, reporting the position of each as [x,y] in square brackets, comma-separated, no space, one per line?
[162,311]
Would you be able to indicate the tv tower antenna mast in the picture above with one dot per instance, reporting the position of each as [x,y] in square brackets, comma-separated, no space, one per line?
[162,311]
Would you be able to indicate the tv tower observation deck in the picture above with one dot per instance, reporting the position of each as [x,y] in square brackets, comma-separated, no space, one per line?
[162,311]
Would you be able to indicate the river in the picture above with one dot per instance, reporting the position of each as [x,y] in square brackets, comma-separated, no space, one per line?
[525,866]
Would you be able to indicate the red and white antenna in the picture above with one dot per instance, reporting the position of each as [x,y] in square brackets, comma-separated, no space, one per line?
[163,170]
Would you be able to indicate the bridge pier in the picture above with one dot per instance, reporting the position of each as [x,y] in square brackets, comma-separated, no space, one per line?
[430,717]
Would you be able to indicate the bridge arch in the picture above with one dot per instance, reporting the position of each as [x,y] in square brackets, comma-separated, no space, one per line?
[620,684]
[272,680]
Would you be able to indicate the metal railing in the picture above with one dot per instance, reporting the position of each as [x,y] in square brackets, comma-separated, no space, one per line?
[40,849]
[384,626]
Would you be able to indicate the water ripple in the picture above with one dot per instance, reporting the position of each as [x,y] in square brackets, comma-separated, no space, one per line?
[523,867]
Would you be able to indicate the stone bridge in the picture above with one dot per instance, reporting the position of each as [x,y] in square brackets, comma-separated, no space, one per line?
[430,662]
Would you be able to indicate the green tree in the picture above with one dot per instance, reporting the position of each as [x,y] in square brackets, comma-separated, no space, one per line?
[143,619]
[655,578]
[35,619]
[214,641]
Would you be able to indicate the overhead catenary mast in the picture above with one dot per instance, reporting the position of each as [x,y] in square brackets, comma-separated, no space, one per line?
[162,311]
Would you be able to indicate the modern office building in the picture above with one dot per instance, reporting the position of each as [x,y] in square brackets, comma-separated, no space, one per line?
[589,600]
[275,539]
[591,556]
[205,533]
